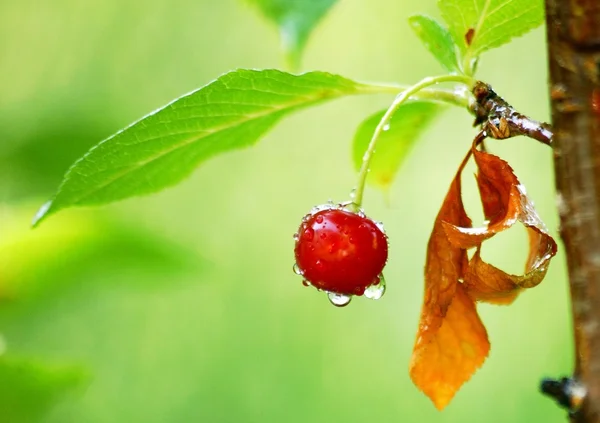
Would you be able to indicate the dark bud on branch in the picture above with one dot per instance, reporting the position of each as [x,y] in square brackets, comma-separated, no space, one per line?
[567,392]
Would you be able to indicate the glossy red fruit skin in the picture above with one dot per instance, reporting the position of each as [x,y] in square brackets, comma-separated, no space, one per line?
[340,251]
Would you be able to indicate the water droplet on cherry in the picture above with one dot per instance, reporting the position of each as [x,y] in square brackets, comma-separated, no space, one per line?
[376,290]
[339,300]
[308,234]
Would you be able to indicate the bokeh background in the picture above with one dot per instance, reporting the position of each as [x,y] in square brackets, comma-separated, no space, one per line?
[182,306]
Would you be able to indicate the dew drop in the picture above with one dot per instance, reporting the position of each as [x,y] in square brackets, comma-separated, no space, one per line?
[319,219]
[380,226]
[296,236]
[297,269]
[461,91]
[306,283]
[321,207]
[339,300]
[353,193]
[386,127]
[376,290]
[348,206]
[308,234]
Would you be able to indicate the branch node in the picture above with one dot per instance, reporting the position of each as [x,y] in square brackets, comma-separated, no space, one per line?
[500,120]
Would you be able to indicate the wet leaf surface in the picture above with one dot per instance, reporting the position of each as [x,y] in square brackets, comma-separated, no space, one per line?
[395,143]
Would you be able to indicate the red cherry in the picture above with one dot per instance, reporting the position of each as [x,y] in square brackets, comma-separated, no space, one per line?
[340,251]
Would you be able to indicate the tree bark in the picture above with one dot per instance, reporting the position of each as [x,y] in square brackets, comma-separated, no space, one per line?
[573,30]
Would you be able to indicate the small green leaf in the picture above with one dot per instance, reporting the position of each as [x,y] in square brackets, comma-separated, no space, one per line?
[394,144]
[437,39]
[480,25]
[164,147]
[28,389]
[295,20]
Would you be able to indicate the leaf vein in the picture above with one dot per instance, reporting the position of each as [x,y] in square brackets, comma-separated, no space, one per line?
[247,118]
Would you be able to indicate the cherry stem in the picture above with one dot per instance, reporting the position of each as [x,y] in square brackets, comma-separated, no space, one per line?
[416,91]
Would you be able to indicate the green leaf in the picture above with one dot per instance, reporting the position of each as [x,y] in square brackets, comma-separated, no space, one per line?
[394,144]
[164,147]
[295,20]
[490,23]
[28,389]
[42,264]
[437,39]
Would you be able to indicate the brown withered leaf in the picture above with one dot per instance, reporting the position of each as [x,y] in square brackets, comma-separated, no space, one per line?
[500,199]
[451,340]
[504,202]
[445,262]
[454,351]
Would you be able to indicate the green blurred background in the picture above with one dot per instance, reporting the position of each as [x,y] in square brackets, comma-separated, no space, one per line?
[182,306]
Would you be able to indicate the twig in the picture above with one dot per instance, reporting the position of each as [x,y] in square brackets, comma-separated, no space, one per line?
[500,120]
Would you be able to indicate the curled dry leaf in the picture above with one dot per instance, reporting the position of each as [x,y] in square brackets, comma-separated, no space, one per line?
[504,202]
[451,340]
